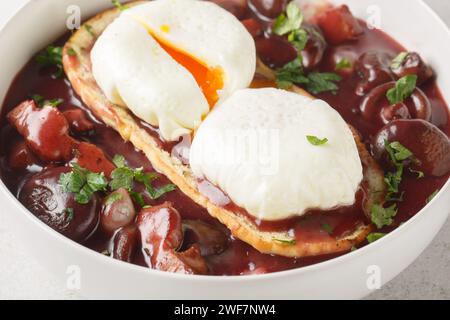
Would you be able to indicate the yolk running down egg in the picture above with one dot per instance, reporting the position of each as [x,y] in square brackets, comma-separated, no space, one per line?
[171,61]
[209,79]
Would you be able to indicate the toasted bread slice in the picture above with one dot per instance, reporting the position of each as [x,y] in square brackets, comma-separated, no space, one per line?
[78,69]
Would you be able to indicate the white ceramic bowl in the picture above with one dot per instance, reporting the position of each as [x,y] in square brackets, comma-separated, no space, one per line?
[38,23]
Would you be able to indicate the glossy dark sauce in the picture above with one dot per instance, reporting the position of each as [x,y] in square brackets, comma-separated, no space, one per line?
[239,258]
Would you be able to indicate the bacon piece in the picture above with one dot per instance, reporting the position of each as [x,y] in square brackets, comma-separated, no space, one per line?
[45,130]
[339,25]
[91,157]
[162,235]
[78,121]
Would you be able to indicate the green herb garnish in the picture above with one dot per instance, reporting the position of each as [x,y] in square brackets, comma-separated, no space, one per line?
[138,198]
[404,87]
[344,63]
[298,38]
[83,183]
[71,52]
[314,82]
[69,213]
[315,141]
[89,29]
[113,197]
[285,241]
[397,153]
[375,236]
[322,82]
[288,22]
[420,174]
[119,5]
[383,216]
[51,56]
[398,60]
[327,228]
[124,177]
[41,101]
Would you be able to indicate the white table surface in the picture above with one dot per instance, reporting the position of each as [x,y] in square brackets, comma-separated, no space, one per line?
[21,277]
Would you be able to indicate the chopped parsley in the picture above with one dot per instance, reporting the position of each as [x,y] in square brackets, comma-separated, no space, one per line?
[138,198]
[315,82]
[431,197]
[398,60]
[83,183]
[69,215]
[398,154]
[124,177]
[381,216]
[404,87]
[41,101]
[113,197]
[327,228]
[315,141]
[322,82]
[289,21]
[419,174]
[89,29]
[71,52]
[119,5]
[289,24]
[298,38]
[285,241]
[344,63]
[291,73]
[51,56]
[375,236]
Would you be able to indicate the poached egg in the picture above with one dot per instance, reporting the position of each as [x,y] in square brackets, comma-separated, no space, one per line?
[171,61]
[255,147]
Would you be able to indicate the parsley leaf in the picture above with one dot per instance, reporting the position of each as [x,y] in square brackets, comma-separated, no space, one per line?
[420,174]
[138,198]
[298,38]
[398,152]
[118,5]
[42,102]
[398,60]
[327,228]
[291,73]
[113,197]
[315,141]
[375,236]
[51,56]
[344,63]
[119,161]
[288,22]
[285,241]
[71,52]
[404,87]
[122,177]
[89,29]
[314,82]
[83,183]
[322,82]
[383,216]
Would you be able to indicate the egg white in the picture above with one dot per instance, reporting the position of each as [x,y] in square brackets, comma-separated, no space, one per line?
[254,148]
[135,72]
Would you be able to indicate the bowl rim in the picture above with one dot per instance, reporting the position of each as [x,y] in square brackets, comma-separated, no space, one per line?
[91,254]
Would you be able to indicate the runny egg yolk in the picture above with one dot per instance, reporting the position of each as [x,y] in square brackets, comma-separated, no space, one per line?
[210,80]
